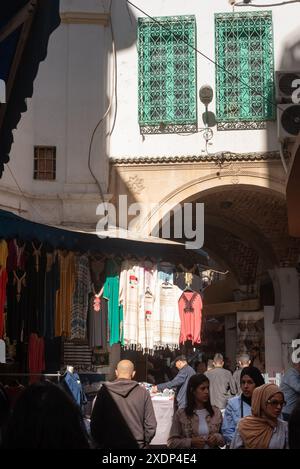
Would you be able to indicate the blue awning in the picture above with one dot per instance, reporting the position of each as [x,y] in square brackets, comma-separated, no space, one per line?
[25,27]
[13,226]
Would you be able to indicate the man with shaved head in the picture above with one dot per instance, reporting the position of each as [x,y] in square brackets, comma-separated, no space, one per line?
[123,414]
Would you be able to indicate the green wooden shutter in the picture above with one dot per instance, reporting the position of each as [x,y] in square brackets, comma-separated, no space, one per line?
[167,74]
[244,47]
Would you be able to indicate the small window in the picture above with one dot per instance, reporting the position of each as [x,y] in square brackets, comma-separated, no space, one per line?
[44,163]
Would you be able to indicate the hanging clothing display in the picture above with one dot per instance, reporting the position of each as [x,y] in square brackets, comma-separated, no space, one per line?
[146,310]
[51,287]
[3,253]
[36,356]
[3,282]
[65,293]
[183,279]
[111,294]
[16,255]
[80,298]
[166,323]
[130,296]
[98,306]
[98,321]
[35,270]
[17,305]
[72,385]
[190,311]
[166,272]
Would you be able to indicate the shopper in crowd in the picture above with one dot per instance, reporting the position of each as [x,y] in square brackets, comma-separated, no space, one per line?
[200,367]
[123,414]
[263,429]
[45,417]
[4,411]
[290,386]
[198,424]
[243,362]
[180,381]
[210,365]
[240,406]
[294,427]
[256,360]
[221,383]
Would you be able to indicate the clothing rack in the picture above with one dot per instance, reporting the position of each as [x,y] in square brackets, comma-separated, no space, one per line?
[57,375]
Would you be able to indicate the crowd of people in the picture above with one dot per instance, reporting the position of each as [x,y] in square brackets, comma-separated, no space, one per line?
[213,409]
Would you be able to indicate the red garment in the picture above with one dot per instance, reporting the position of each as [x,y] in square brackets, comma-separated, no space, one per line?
[190,312]
[36,356]
[3,282]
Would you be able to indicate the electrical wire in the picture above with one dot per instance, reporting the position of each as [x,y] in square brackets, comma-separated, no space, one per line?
[115,75]
[23,195]
[208,58]
[98,125]
[265,6]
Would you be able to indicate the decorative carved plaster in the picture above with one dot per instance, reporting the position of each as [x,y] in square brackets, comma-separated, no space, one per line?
[135,184]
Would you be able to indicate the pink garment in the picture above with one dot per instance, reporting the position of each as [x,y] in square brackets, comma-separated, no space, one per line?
[190,312]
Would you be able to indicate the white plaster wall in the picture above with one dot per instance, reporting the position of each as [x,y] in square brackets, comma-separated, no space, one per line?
[127,141]
[273,349]
[70,96]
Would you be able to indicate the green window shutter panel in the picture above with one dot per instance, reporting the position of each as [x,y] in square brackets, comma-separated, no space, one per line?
[244,47]
[167,74]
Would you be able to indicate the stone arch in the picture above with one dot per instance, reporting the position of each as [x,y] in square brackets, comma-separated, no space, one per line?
[208,184]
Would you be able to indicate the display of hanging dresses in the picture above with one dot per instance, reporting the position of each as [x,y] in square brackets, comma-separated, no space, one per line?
[166,321]
[98,313]
[3,253]
[65,293]
[3,282]
[16,255]
[35,269]
[17,305]
[190,311]
[51,287]
[146,310]
[111,294]
[131,291]
[36,356]
[80,304]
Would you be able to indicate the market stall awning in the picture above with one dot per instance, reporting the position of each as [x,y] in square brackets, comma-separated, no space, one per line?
[120,243]
[25,27]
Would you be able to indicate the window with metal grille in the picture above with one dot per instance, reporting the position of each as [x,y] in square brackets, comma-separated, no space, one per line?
[167,74]
[44,163]
[245,76]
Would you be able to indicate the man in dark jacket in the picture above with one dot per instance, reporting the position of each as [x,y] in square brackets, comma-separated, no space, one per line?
[180,381]
[123,415]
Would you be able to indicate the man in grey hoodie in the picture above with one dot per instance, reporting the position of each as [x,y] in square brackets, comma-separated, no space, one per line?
[123,413]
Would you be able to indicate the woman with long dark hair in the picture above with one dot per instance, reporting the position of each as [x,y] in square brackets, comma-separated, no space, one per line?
[198,425]
[240,406]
